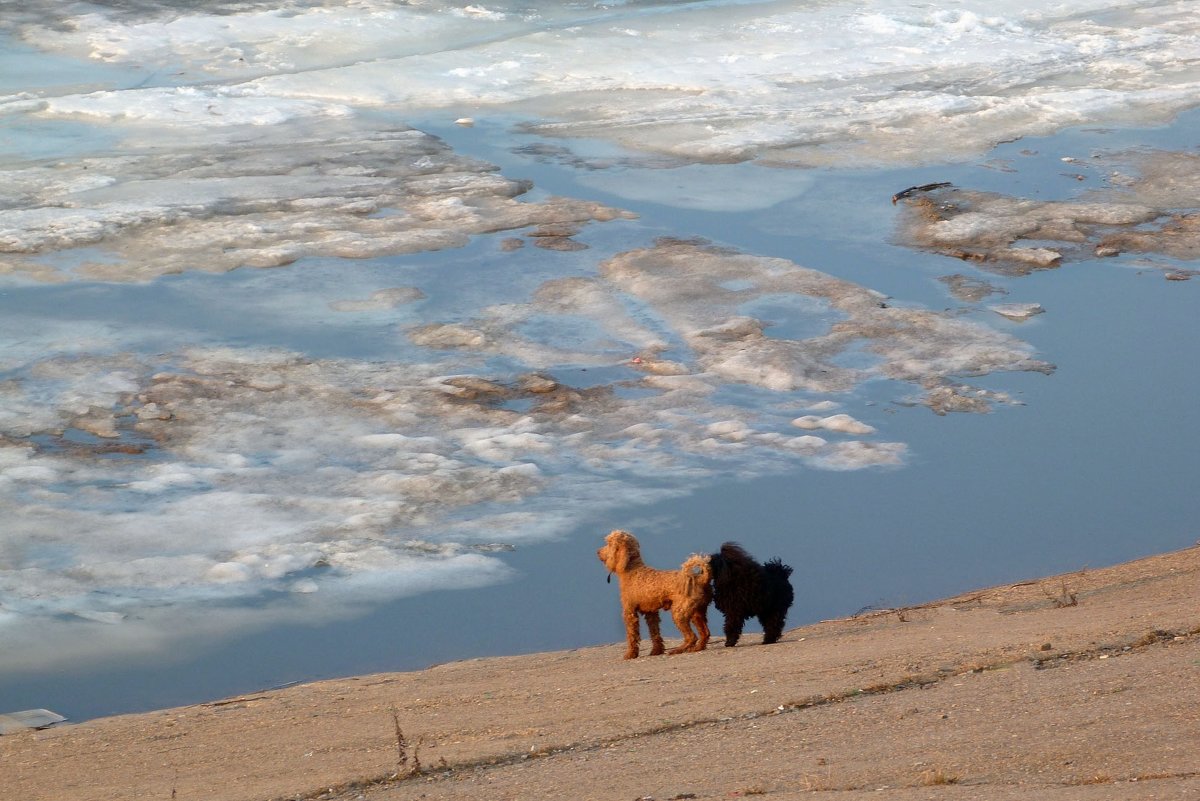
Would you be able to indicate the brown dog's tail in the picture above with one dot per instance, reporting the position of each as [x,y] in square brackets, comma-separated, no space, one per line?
[697,567]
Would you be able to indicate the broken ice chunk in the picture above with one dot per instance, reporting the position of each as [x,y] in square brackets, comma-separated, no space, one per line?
[28,719]
[836,422]
[1017,311]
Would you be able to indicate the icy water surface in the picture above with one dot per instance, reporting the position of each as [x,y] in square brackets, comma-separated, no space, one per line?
[299,378]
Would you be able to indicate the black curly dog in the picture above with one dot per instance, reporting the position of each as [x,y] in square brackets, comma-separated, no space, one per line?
[743,588]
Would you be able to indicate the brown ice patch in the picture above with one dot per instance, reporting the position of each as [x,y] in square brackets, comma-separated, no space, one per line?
[1149,207]
[1178,236]
[698,295]
[1161,178]
[999,231]
[557,237]
[544,394]
[133,217]
[380,299]
[970,290]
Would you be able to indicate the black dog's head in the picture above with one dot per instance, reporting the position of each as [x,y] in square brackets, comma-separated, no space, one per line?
[743,581]
[777,568]
[731,559]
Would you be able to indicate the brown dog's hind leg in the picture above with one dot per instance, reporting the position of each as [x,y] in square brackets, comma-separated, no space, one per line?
[656,640]
[685,628]
[700,620]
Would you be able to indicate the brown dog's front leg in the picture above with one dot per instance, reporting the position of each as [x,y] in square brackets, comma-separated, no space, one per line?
[633,635]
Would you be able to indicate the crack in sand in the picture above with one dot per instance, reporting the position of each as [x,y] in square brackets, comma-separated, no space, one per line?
[446,771]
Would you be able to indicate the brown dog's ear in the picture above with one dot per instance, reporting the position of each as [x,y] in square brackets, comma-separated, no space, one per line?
[620,555]
[621,549]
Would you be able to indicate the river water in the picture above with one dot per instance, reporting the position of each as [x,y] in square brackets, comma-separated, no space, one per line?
[275,282]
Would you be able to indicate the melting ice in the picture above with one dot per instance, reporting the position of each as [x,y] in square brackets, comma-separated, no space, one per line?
[785,82]
[143,472]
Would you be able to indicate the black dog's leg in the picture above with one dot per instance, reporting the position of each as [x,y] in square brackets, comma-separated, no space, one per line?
[733,629]
[772,627]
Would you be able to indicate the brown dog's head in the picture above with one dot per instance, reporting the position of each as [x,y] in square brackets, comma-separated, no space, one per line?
[619,552]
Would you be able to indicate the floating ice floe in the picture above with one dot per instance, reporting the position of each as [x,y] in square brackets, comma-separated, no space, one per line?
[380,299]
[968,289]
[261,205]
[1151,206]
[246,41]
[279,473]
[1019,312]
[11,722]
[842,423]
[834,83]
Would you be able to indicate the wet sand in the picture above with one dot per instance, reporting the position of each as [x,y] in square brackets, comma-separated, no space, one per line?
[1080,686]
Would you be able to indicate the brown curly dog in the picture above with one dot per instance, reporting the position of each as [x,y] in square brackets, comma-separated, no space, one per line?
[685,592]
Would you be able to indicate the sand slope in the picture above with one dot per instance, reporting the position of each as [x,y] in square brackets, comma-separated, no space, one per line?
[1010,692]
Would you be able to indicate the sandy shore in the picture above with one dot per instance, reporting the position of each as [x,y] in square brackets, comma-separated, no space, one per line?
[1081,686]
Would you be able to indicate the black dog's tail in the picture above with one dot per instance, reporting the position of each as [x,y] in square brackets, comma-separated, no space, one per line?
[777,567]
